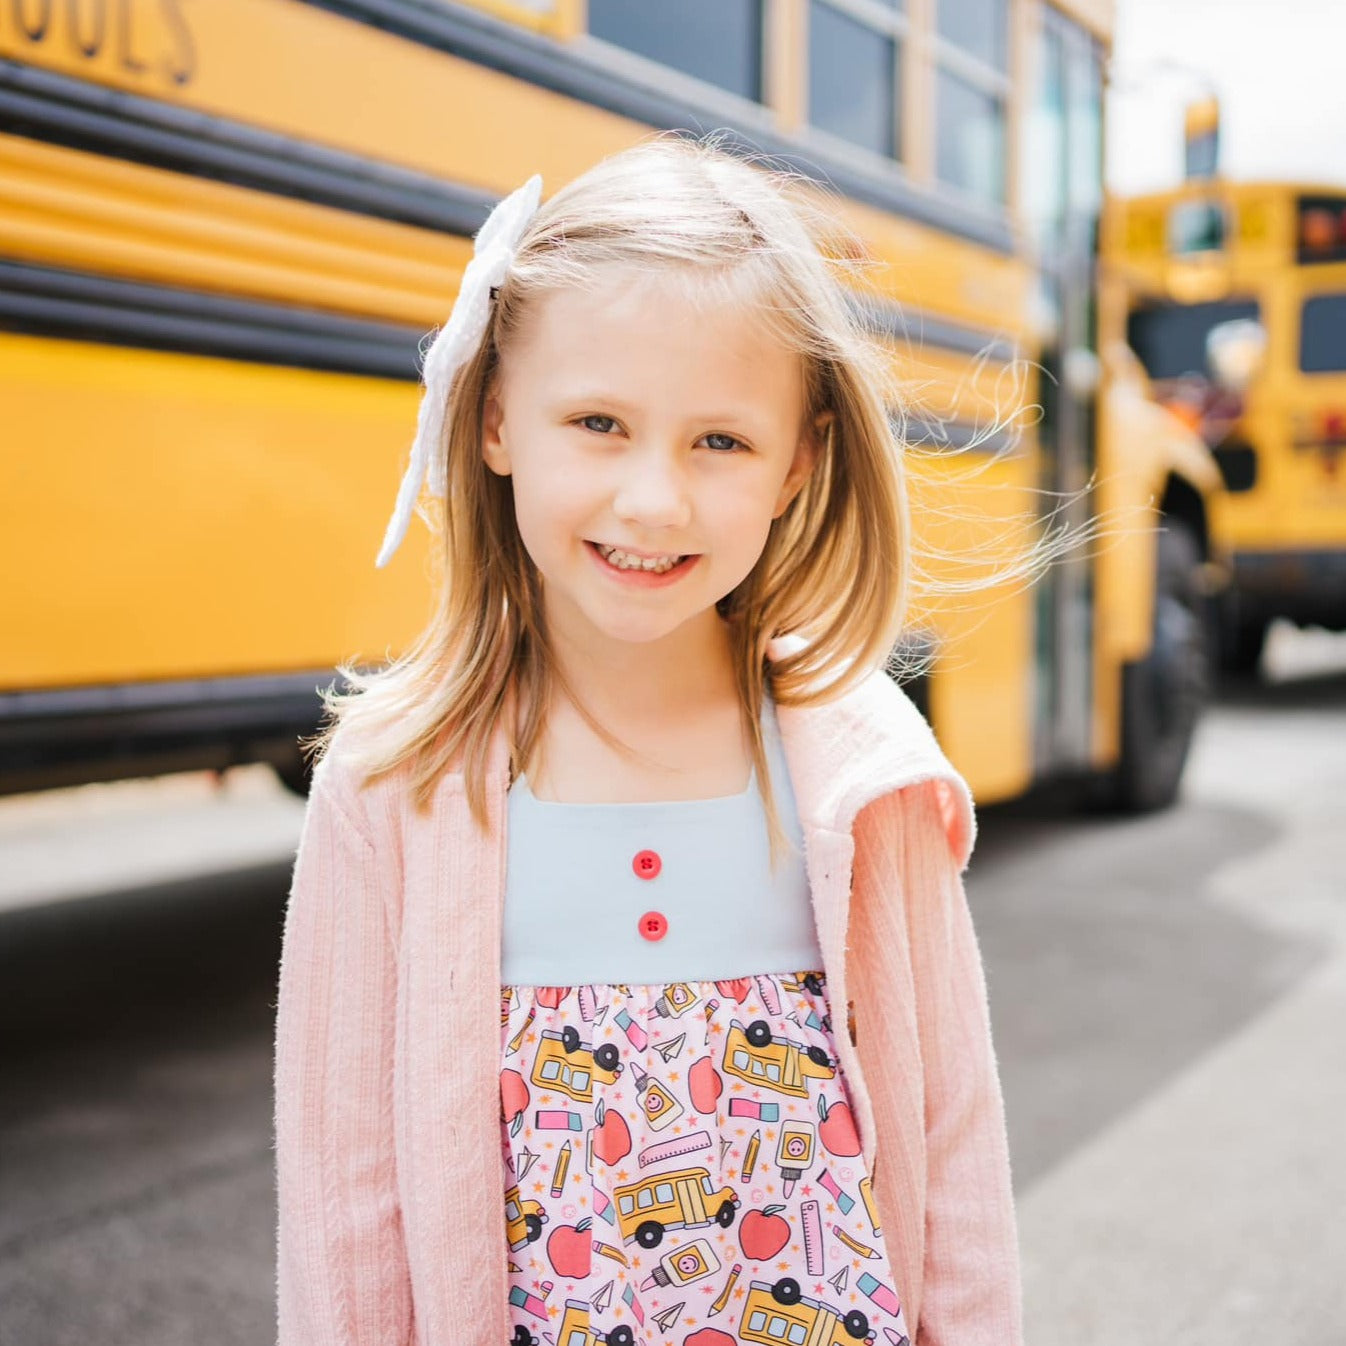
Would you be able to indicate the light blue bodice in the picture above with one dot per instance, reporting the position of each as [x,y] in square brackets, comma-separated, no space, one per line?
[574,902]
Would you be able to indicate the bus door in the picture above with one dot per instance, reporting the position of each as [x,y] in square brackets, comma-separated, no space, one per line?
[1063,196]
[691,1200]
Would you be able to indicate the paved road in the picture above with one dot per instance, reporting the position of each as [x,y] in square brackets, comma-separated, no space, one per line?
[1168,996]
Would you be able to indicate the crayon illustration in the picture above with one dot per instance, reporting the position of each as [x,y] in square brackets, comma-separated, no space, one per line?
[867,1196]
[723,1297]
[853,1244]
[750,1159]
[562,1168]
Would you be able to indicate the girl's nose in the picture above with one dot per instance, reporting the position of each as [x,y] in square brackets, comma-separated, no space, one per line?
[653,491]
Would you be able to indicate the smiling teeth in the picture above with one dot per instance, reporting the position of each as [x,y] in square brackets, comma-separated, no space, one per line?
[624,560]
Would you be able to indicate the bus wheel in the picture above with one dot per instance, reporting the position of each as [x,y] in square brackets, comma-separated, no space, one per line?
[650,1234]
[605,1056]
[1241,645]
[1164,693]
[758,1033]
[813,983]
[533,1224]
[522,1337]
[856,1325]
[724,1217]
[570,1038]
[786,1291]
[621,1335]
[819,1057]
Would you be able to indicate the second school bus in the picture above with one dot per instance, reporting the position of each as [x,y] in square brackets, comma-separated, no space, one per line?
[1261,265]
[226,225]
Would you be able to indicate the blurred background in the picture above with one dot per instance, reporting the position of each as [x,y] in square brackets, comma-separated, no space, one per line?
[1106,241]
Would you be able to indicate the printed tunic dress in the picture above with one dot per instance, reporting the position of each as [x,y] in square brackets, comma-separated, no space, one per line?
[681,1159]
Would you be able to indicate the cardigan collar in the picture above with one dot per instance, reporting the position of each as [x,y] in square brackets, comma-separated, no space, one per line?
[843,754]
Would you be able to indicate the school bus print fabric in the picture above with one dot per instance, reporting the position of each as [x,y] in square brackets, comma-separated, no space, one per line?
[684,1168]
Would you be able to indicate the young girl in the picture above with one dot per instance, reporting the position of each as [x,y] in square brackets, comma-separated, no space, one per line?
[629,992]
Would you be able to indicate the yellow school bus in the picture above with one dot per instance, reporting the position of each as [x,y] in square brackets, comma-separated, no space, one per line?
[1235,299]
[570,1066]
[684,1199]
[780,1314]
[226,225]
[753,1055]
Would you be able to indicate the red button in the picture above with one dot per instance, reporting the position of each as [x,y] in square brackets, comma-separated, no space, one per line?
[653,925]
[647,865]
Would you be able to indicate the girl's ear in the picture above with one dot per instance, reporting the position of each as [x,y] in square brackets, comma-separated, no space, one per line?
[811,441]
[493,449]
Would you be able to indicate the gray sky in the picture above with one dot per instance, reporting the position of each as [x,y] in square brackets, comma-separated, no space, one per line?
[1279,67]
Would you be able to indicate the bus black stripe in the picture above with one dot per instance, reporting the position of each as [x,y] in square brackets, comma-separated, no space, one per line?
[79,306]
[43,105]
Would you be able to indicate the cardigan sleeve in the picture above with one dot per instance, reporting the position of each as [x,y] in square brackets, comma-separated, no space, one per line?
[971,1280]
[342,1273]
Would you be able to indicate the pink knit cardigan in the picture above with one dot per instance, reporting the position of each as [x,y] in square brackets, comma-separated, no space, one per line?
[391,1214]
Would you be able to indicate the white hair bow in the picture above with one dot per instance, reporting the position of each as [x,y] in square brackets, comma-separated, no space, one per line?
[496,243]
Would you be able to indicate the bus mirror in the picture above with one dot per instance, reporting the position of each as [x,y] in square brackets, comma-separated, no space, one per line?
[1234,352]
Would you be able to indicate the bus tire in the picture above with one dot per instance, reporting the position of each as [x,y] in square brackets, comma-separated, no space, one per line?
[650,1234]
[570,1039]
[819,1057]
[758,1033]
[1241,645]
[787,1291]
[1164,694]
[533,1224]
[724,1217]
[606,1056]
[621,1335]
[856,1325]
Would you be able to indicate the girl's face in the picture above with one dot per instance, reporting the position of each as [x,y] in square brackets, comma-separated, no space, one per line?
[651,442]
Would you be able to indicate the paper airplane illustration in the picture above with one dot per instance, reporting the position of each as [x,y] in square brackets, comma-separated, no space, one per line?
[672,1049]
[602,1299]
[525,1162]
[667,1320]
[838,1282]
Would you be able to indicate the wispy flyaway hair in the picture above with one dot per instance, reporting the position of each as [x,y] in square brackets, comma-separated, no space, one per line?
[835,566]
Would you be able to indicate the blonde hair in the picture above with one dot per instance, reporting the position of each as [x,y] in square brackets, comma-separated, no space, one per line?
[835,565]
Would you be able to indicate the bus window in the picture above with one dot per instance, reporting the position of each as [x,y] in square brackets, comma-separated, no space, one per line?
[645,1198]
[1170,339]
[776,1328]
[853,65]
[626,1204]
[798,1335]
[1322,335]
[756,1320]
[741,1059]
[971,91]
[719,41]
[664,1193]
[551,1070]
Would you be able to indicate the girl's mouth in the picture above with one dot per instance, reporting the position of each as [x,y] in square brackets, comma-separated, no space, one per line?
[635,567]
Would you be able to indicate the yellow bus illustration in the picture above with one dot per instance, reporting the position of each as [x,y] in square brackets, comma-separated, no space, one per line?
[686,1199]
[753,1055]
[782,1315]
[523,1219]
[570,1066]
[575,1329]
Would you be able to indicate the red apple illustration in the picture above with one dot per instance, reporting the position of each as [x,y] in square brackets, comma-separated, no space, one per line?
[740,988]
[513,1099]
[551,996]
[709,1336]
[704,1084]
[570,1250]
[763,1233]
[612,1137]
[837,1129]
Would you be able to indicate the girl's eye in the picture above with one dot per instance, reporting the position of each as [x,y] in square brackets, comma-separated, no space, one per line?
[600,425]
[722,443]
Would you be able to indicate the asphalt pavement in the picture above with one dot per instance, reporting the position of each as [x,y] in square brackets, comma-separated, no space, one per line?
[1168,995]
